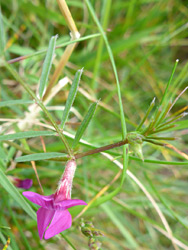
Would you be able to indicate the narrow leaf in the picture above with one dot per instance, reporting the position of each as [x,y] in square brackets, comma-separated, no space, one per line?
[41,156]
[27,134]
[169,82]
[2,35]
[172,120]
[71,97]
[152,104]
[12,190]
[84,123]
[15,102]
[163,129]
[180,125]
[47,65]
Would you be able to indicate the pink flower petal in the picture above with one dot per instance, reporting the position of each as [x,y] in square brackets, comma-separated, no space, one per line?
[68,203]
[44,216]
[41,200]
[61,221]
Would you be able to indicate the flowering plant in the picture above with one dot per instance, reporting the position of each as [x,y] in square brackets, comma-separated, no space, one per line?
[54,208]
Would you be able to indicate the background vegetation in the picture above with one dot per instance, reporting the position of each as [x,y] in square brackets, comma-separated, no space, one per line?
[146,37]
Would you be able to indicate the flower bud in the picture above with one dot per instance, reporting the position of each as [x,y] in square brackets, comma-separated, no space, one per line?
[94,244]
[26,184]
[65,184]
[89,230]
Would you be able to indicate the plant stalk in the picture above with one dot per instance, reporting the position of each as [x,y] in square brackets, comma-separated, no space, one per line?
[101,149]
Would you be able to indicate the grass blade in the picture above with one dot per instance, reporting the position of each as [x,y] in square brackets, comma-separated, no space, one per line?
[41,156]
[47,65]
[12,190]
[84,124]
[71,97]
[2,35]
[27,134]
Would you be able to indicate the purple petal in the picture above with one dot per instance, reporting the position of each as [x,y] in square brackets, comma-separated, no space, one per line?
[69,203]
[41,200]
[44,216]
[61,221]
[26,184]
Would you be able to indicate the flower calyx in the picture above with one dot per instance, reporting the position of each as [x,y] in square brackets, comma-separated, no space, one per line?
[135,141]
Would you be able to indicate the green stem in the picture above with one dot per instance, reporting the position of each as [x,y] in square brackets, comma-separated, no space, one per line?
[68,241]
[123,124]
[105,18]
[122,115]
[40,103]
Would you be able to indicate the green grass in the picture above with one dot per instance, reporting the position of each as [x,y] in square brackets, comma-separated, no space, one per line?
[128,50]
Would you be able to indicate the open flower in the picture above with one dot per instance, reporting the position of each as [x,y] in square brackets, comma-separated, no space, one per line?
[54,208]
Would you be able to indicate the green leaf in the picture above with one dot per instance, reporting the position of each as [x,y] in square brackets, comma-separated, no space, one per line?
[84,123]
[15,102]
[71,97]
[47,65]
[152,104]
[41,156]
[27,134]
[2,34]
[12,190]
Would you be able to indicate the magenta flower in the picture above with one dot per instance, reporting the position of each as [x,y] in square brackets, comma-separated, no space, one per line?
[26,184]
[54,208]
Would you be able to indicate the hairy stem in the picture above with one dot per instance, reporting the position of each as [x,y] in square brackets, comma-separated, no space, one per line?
[101,149]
